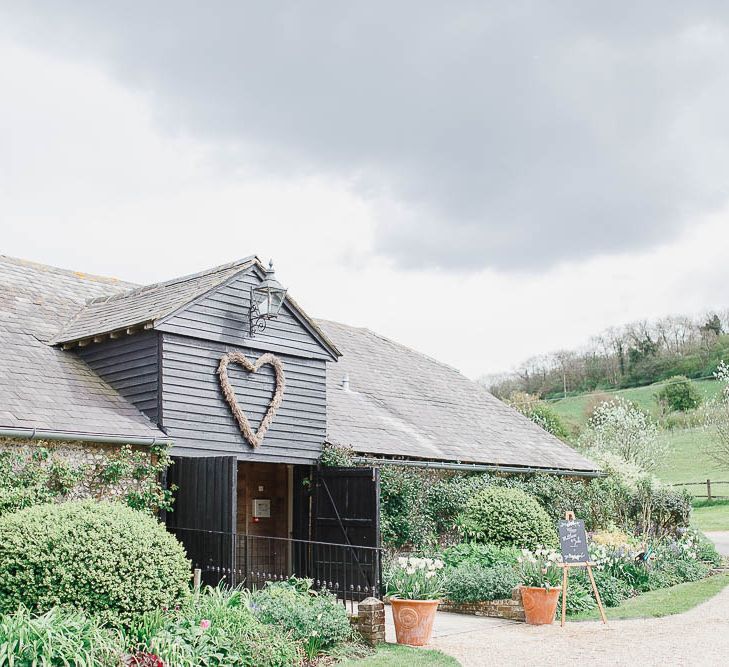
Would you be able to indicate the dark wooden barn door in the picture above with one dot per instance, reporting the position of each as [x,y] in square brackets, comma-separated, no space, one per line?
[204,513]
[346,511]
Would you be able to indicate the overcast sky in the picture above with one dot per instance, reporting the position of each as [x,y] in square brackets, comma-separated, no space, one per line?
[481,181]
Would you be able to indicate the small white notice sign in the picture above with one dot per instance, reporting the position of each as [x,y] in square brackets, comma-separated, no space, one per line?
[261,508]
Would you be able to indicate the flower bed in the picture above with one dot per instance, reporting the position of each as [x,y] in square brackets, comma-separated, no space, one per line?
[106,585]
[480,578]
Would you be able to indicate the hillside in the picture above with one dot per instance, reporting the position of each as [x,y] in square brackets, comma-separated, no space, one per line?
[574,410]
[686,460]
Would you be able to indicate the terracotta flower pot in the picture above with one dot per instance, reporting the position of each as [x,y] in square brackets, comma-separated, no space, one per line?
[540,604]
[413,620]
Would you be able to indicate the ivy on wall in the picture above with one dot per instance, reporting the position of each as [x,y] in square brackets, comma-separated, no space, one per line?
[421,507]
[42,472]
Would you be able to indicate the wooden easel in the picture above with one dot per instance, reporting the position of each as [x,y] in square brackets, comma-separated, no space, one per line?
[566,567]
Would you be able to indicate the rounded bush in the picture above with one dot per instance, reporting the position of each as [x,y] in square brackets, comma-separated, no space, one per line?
[507,517]
[292,606]
[103,558]
[471,582]
[679,394]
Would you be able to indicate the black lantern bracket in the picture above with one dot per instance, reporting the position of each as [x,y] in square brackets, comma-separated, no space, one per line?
[266,300]
[256,321]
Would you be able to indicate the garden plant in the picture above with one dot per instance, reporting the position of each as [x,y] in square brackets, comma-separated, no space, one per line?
[416,587]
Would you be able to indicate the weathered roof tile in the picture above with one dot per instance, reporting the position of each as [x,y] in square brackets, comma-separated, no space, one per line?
[42,386]
[402,403]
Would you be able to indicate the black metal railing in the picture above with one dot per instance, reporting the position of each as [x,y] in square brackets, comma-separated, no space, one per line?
[350,572]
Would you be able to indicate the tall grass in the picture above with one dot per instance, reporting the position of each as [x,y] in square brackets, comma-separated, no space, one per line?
[57,637]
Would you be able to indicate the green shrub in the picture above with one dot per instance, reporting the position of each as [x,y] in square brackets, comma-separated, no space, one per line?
[658,509]
[507,517]
[404,517]
[446,497]
[635,574]
[613,590]
[214,628]
[579,596]
[306,614]
[679,394]
[691,570]
[58,637]
[471,582]
[705,548]
[544,416]
[661,577]
[597,502]
[484,555]
[103,558]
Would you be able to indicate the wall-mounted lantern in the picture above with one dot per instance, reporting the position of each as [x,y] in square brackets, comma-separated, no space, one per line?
[266,301]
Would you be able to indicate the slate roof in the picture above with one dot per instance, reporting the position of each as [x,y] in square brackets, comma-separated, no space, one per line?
[401,403]
[139,305]
[44,387]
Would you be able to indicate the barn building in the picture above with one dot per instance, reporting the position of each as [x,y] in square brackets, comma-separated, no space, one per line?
[226,368]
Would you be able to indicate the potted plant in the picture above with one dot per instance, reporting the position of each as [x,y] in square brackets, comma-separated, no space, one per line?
[540,574]
[415,587]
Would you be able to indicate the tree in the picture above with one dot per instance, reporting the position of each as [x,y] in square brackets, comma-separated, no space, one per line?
[679,394]
[620,427]
[712,325]
[540,413]
[716,419]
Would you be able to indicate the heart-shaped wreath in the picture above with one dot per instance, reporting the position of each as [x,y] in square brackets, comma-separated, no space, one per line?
[254,438]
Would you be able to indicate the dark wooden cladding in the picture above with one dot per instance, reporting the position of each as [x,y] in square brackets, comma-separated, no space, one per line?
[222,316]
[199,420]
[130,365]
[346,506]
[206,500]
[346,511]
[170,375]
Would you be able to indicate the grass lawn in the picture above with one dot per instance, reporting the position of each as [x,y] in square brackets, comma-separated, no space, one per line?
[394,655]
[687,462]
[573,408]
[712,515]
[664,602]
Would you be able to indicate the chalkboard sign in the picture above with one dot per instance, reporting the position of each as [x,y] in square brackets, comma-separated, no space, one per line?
[573,541]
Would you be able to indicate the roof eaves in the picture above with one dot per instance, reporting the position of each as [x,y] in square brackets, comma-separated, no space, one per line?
[314,327]
[151,322]
[244,266]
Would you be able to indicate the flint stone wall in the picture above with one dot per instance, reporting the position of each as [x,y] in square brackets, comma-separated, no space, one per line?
[92,458]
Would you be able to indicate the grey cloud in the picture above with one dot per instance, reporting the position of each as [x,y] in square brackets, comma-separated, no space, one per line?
[512,135]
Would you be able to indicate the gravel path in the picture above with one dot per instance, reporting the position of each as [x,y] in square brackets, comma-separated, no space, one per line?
[698,637]
[720,540]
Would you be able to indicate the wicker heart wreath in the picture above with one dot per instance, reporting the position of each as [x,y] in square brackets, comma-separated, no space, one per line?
[254,438]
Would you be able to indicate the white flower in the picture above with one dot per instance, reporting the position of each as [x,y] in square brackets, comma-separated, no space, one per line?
[402,561]
[439,564]
[410,570]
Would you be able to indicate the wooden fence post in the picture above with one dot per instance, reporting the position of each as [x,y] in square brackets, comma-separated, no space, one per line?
[708,489]
[196,579]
